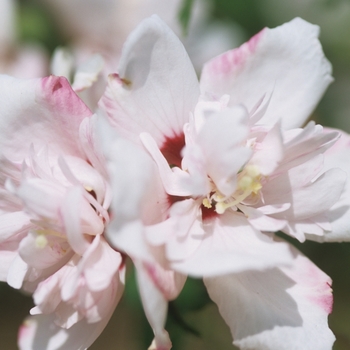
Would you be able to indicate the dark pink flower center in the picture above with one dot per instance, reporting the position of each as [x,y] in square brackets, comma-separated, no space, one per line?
[171,149]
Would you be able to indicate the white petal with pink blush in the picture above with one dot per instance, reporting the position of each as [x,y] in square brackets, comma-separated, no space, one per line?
[55,198]
[286,61]
[278,309]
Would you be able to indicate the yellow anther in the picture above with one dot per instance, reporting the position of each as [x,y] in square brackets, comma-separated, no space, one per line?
[40,241]
[44,232]
[252,171]
[218,197]
[245,183]
[206,203]
[256,187]
[88,188]
[220,207]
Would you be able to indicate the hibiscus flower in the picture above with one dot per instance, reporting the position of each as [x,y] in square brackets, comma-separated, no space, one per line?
[55,203]
[237,167]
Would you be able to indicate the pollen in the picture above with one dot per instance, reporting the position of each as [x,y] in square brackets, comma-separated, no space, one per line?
[245,182]
[41,241]
[88,188]
[206,203]
[252,171]
[221,207]
[248,183]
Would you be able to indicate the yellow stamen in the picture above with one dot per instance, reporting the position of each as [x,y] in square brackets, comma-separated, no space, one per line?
[206,203]
[88,188]
[41,241]
[248,183]
[44,232]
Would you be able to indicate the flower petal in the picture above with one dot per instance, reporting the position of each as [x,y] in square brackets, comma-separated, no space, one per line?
[155,305]
[220,139]
[39,111]
[278,309]
[12,223]
[156,86]
[41,332]
[287,60]
[339,214]
[232,245]
[72,210]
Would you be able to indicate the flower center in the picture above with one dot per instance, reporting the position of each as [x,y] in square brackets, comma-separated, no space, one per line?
[248,183]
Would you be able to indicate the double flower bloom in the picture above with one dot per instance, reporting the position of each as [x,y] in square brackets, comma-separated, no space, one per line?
[185,178]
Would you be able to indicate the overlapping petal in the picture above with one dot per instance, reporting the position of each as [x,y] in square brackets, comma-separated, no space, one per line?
[156,87]
[286,61]
[39,111]
[229,244]
[277,309]
[339,215]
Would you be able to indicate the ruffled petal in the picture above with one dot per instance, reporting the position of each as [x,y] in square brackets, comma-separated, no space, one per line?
[232,245]
[287,61]
[278,309]
[339,215]
[135,186]
[12,223]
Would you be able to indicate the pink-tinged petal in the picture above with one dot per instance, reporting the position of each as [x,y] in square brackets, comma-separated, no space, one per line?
[182,215]
[43,250]
[136,190]
[41,197]
[92,305]
[88,140]
[100,264]
[47,295]
[155,305]
[169,282]
[12,223]
[232,245]
[39,111]
[278,309]
[76,171]
[130,171]
[156,87]
[9,170]
[287,60]
[41,332]
[71,213]
[339,215]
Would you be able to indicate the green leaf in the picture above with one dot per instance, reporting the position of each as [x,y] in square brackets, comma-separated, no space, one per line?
[184,15]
